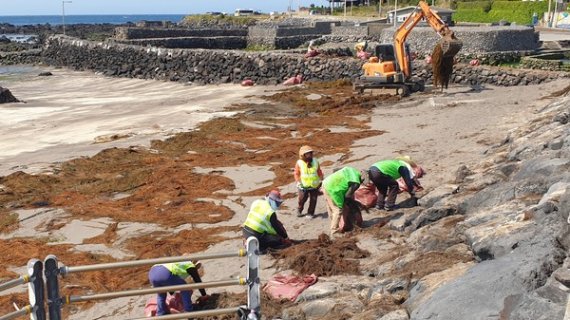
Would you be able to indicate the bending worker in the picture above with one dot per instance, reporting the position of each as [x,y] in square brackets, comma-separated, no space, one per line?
[338,189]
[263,224]
[171,274]
[384,175]
[308,176]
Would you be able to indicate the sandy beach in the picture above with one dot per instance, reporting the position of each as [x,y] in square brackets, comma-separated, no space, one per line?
[74,115]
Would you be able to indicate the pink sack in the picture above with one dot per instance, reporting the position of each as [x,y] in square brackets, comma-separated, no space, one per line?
[247,83]
[174,303]
[293,80]
[312,53]
[474,62]
[288,287]
[366,195]
[363,55]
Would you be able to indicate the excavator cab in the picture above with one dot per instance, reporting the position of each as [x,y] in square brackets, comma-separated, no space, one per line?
[387,69]
[386,52]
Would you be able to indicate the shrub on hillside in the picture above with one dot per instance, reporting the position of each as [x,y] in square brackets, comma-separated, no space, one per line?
[519,12]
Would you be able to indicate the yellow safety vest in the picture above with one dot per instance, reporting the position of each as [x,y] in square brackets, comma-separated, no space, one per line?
[179,268]
[309,175]
[259,216]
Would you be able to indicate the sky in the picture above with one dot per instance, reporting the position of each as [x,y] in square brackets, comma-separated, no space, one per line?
[54,7]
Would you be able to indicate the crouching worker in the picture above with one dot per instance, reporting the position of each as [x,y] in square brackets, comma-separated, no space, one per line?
[171,274]
[262,223]
[384,175]
[338,189]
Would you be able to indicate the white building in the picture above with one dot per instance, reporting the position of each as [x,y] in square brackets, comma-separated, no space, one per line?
[21,38]
[403,13]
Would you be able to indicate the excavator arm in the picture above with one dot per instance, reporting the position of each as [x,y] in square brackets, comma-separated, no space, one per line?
[450,45]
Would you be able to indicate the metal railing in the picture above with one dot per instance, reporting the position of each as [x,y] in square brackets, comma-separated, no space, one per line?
[35,283]
[55,301]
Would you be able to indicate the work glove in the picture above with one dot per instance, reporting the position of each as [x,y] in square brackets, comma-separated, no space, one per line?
[203,300]
[299,186]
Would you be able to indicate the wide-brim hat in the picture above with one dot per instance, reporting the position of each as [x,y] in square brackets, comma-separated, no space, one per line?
[408,160]
[305,149]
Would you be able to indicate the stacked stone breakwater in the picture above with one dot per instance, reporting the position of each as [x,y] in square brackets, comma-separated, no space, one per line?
[32,56]
[202,66]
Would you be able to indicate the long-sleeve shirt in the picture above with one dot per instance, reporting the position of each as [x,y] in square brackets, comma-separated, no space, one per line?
[278,226]
[193,272]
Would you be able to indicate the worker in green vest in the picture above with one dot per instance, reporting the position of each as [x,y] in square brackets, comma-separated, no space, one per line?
[338,190]
[384,175]
[262,223]
[171,274]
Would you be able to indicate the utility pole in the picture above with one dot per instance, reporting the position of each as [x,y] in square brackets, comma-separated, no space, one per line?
[63,14]
[548,25]
[395,12]
[555,16]
[344,9]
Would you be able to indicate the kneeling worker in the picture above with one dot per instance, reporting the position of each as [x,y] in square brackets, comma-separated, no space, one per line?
[263,224]
[171,274]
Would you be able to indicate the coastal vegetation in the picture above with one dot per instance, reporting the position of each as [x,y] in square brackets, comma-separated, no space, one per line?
[225,19]
[486,11]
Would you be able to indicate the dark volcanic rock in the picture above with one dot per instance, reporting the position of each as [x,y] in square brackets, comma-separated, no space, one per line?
[6,96]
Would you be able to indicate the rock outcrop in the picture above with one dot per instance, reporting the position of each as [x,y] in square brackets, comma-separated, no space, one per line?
[6,96]
[493,245]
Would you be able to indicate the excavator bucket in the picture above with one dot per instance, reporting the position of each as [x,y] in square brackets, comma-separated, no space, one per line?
[450,45]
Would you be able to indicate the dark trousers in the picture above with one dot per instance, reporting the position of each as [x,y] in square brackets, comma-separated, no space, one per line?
[387,187]
[159,276]
[303,195]
[265,240]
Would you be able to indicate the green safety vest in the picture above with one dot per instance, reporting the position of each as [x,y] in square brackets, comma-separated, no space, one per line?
[336,185]
[309,176]
[259,216]
[179,268]
[390,167]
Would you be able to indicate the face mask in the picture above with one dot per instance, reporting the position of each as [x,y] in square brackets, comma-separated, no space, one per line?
[274,204]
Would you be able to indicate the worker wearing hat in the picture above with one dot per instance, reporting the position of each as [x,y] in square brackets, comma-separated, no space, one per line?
[384,175]
[338,189]
[171,274]
[262,222]
[308,176]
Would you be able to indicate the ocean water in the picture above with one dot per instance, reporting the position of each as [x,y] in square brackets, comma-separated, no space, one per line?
[88,19]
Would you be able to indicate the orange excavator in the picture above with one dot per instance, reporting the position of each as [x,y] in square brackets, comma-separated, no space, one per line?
[393,67]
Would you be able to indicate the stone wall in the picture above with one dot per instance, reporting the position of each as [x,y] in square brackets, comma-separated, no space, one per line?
[263,36]
[280,37]
[21,57]
[126,33]
[475,40]
[550,62]
[465,74]
[221,66]
[192,42]
[350,31]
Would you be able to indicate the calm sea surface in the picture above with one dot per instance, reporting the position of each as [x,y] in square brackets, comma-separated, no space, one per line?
[88,19]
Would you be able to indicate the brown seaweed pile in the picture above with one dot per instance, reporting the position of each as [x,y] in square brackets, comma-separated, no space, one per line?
[322,257]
